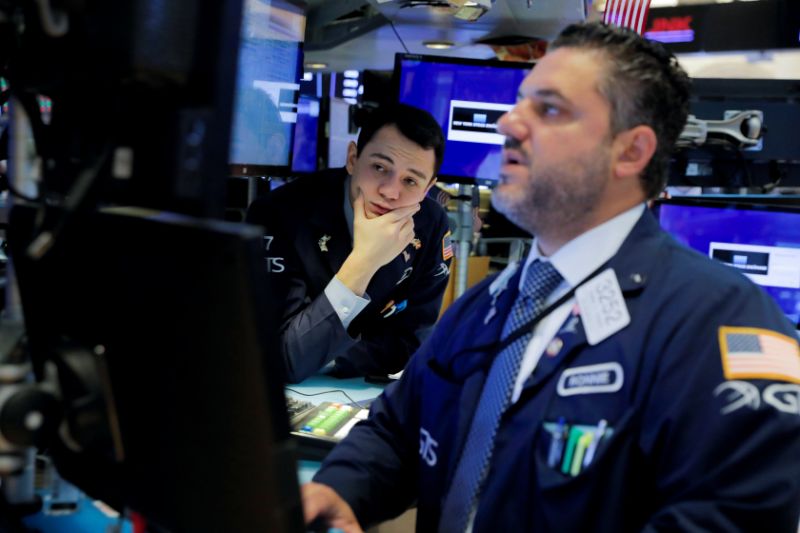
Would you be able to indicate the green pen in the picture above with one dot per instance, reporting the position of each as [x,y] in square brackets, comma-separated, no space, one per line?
[572,441]
[580,450]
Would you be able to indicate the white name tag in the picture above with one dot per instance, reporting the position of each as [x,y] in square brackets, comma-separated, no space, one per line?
[602,307]
[591,379]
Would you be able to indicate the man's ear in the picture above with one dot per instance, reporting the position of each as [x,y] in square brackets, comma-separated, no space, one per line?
[352,156]
[633,150]
[431,184]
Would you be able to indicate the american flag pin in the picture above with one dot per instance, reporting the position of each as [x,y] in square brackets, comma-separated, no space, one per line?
[554,347]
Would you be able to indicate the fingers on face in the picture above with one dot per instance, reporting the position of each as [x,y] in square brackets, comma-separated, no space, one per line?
[402,213]
[407,231]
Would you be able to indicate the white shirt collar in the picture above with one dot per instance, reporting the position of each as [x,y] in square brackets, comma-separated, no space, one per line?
[578,258]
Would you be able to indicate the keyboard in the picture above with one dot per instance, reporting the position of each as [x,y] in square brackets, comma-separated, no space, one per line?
[297,409]
[319,430]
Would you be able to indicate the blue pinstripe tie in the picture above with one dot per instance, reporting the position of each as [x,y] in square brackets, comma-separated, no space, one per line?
[459,504]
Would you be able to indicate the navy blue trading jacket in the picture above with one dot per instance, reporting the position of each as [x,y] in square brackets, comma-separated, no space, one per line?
[689,450]
[405,294]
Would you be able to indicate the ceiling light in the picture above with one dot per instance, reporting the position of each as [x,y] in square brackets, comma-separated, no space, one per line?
[316,65]
[438,45]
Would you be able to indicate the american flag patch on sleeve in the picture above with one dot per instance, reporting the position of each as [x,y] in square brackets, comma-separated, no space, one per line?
[754,353]
[447,247]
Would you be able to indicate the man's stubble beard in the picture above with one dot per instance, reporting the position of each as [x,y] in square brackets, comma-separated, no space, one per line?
[556,199]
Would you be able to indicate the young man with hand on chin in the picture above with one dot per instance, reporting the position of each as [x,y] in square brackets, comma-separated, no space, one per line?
[360,256]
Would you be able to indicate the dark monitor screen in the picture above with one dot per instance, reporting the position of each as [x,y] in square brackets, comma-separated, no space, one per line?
[777,99]
[168,366]
[775,159]
[305,155]
[267,86]
[466,97]
[761,241]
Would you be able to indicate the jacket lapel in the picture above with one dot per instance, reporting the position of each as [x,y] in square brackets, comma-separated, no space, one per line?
[570,337]
[387,278]
[471,363]
[328,237]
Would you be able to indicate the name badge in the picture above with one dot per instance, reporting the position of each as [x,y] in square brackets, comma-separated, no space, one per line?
[590,379]
[603,309]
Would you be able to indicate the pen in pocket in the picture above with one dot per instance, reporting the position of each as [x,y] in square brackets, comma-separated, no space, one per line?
[556,444]
[598,434]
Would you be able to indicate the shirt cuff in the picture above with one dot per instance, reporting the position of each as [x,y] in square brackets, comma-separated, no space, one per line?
[344,301]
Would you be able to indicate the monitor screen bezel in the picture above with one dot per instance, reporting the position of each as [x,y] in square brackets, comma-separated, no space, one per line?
[398,61]
[744,203]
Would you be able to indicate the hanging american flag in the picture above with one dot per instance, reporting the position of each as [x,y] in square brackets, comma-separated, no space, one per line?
[627,14]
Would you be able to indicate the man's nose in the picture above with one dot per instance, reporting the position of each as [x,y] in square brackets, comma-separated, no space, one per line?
[390,188]
[511,125]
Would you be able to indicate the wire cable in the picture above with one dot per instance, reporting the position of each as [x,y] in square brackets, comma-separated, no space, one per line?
[398,37]
[328,392]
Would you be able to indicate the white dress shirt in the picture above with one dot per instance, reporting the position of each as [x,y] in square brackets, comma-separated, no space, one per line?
[574,261]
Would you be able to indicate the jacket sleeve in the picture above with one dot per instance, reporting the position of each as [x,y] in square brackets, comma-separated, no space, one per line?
[311,331]
[726,452]
[375,468]
[386,344]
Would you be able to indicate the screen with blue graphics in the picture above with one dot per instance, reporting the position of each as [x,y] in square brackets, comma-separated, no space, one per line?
[760,241]
[466,97]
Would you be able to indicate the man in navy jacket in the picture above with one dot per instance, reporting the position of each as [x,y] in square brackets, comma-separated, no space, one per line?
[360,256]
[658,389]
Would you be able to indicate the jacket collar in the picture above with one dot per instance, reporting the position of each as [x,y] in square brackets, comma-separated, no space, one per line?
[633,263]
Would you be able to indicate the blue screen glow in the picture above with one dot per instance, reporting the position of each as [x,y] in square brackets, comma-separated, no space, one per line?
[466,99]
[763,244]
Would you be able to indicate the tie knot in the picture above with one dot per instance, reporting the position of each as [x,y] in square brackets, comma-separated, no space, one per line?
[541,278]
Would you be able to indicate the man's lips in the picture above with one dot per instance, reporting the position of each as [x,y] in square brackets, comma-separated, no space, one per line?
[378,209]
[513,157]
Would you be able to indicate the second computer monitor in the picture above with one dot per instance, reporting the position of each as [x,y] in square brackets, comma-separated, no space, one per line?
[760,241]
[267,87]
[467,97]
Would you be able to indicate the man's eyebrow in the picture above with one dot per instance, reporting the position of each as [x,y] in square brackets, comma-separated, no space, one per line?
[418,173]
[545,93]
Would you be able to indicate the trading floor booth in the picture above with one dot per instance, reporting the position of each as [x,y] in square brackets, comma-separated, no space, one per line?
[140,352]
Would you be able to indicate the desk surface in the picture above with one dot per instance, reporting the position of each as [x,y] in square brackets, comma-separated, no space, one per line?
[320,388]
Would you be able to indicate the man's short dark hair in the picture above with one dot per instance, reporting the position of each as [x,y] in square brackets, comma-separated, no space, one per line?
[415,124]
[643,84]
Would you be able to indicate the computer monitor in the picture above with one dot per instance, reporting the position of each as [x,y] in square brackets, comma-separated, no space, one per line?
[466,97]
[305,148]
[162,332]
[761,241]
[774,160]
[267,87]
